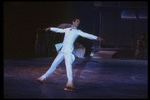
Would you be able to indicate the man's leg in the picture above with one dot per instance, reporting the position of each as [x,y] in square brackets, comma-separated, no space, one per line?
[69,58]
[87,51]
[55,63]
[87,44]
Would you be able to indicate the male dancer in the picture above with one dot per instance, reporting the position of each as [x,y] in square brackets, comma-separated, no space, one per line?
[65,51]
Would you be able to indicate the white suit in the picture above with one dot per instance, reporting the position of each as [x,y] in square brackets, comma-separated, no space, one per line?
[67,47]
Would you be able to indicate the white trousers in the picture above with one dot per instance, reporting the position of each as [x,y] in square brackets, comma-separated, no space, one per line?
[69,58]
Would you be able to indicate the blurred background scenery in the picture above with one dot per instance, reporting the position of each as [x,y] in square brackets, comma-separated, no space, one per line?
[120,23]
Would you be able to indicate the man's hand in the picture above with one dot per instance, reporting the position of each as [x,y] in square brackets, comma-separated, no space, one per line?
[46,29]
[101,39]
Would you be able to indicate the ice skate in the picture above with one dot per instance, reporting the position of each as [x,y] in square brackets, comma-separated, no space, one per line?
[69,88]
[41,79]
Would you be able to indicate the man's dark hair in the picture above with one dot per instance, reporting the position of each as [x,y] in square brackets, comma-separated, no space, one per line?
[74,19]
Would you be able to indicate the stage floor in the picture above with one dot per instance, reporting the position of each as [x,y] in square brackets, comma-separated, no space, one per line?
[95,78]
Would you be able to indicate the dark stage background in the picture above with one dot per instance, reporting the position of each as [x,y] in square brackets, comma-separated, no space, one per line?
[121,24]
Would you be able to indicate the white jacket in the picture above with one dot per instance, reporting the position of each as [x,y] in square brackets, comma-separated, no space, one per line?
[70,37]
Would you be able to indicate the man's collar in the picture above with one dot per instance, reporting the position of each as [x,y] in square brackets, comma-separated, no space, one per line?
[73,27]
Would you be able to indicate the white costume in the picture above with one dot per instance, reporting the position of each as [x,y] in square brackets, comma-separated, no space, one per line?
[66,49]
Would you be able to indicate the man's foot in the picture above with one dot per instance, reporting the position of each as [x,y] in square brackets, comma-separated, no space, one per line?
[69,88]
[41,79]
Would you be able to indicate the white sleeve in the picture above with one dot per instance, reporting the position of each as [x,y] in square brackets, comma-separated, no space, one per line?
[57,30]
[86,35]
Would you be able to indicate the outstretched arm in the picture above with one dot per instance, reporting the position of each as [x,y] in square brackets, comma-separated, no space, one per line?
[90,36]
[57,30]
